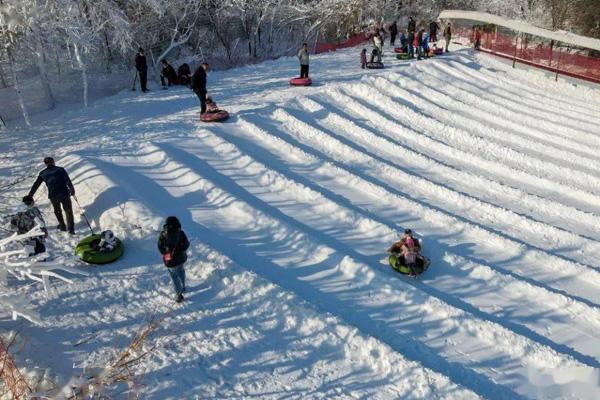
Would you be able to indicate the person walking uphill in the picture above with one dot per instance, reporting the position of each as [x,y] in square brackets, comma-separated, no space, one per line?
[303,57]
[199,85]
[60,190]
[172,244]
[142,68]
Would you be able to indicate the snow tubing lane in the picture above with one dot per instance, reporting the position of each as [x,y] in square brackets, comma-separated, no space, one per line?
[300,82]
[217,116]
[86,252]
[422,265]
[374,65]
[403,56]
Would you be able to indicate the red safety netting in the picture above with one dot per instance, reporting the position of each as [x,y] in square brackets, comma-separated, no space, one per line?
[538,52]
[350,42]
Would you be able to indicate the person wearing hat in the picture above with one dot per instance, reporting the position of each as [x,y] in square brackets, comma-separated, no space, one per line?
[408,248]
[60,189]
[25,220]
[173,244]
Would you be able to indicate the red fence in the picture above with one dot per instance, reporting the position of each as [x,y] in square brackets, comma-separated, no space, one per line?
[350,42]
[540,53]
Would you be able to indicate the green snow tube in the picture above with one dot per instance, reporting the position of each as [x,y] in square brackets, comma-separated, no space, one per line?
[87,251]
[422,264]
[403,56]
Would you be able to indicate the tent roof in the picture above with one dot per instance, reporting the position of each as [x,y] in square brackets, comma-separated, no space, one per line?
[521,26]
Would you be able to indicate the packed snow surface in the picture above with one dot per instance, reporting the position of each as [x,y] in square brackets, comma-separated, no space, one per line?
[290,207]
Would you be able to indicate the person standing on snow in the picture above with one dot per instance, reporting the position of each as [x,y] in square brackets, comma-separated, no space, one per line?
[304,60]
[433,29]
[173,244]
[412,27]
[142,69]
[199,85]
[447,35]
[60,190]
[378,43]
[393,32]
[419,41]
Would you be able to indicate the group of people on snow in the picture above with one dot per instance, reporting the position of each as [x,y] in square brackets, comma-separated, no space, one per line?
[172,240]
[412,40]
[168,75]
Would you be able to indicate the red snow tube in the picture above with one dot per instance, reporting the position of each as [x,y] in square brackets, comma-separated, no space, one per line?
[300,82]
[398,50]
[438,52]
[216,116]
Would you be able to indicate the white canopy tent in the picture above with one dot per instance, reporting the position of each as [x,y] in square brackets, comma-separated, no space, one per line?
[523,27]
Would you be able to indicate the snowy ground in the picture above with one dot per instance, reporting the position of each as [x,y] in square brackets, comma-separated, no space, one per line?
[290,206]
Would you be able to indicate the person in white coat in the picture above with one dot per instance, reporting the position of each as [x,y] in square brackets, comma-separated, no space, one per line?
[303,58]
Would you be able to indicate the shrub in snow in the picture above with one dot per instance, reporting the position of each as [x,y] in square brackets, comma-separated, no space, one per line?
[16,263]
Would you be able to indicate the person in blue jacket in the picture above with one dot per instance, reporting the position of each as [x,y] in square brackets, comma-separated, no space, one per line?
[60,190]
[404,42]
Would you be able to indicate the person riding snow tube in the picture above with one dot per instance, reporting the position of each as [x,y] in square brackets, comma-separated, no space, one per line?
[405,255]
[374,65]
[300,81]
[213,113]
[100,249]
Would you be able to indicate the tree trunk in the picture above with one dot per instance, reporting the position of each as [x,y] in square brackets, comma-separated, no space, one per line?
[41,64]
[18,87]
[84,77]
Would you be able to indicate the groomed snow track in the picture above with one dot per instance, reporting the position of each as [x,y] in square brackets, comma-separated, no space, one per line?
[291,205]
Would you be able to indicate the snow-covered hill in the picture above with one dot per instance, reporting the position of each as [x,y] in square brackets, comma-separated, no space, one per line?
[290,207]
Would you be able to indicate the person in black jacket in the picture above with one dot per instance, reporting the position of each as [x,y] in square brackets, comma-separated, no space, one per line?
[433,29]
[60,190]
[199,85]
[167,73]
[412,27]
[184,74]
[172,244]
[393,33]
[142,68]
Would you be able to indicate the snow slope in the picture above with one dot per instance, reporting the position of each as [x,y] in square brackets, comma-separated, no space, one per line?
[290,206]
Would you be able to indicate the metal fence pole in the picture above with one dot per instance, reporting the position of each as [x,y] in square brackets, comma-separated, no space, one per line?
[558,64]
[516,45]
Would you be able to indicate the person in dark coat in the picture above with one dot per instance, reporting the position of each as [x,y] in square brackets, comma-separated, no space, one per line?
[167,73]
[173,244]
[60,190]
[412,27]
[420,43]
[433,29]
[393,33]
[184,74]
[199,85]
[142,68]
